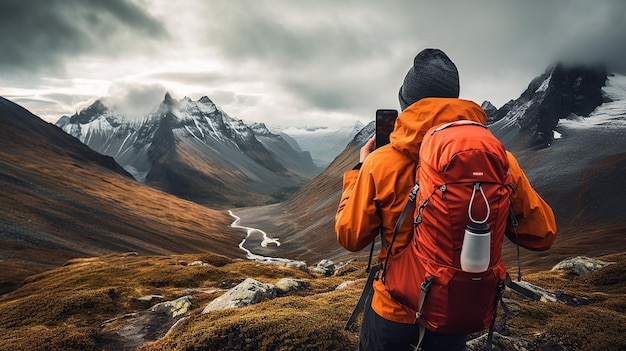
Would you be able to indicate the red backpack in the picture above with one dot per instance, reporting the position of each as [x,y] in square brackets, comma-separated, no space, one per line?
[462,178]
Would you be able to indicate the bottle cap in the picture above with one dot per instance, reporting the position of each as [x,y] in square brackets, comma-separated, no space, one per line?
[478,228]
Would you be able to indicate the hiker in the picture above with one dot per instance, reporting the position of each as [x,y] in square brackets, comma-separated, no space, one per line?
[376,190]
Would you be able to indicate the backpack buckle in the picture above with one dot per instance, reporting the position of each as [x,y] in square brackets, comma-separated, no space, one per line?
[413,193]
[426,284]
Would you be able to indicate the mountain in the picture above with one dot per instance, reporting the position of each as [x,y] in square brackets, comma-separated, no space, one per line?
[570,143]
[194,150]
[561,92]
[325,143]
[571,138]
[62,200]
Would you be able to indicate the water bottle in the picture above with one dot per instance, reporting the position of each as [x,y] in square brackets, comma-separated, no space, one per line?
[475,253]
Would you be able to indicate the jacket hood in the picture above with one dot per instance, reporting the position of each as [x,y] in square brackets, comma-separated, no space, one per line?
[417,119]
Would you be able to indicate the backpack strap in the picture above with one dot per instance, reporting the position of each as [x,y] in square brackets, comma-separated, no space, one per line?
[495,314]
[405,212]
[367,290]
[382,241]
[374,270]
[424,291]
[521,289]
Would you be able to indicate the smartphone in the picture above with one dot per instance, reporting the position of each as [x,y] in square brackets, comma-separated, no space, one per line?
[385,120]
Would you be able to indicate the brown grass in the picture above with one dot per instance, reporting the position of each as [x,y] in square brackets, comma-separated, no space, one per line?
[62,309]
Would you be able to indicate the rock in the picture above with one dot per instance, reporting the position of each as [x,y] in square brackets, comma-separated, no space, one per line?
[150,298]
[500,342]
[511,343]
[135,329]
[580,265]
[198,263]
[344,284]
[190,291]
[286,285]
[248,292]
[324,267]
[297,264]
[174,308]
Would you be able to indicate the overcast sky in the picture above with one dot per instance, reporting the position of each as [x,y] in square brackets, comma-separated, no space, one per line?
[287,62]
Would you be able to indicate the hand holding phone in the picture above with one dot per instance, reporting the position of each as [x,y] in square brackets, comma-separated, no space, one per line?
[385,121]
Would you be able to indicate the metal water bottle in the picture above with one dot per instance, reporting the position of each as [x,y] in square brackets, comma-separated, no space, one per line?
[475,253]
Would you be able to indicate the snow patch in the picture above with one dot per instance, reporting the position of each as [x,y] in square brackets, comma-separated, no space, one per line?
[610,114]
[544,85]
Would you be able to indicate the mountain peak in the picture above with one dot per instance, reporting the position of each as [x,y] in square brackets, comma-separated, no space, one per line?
[90,113]
[560,92]
[205,100]
[168,99]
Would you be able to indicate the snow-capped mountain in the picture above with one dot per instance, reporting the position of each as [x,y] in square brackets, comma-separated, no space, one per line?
[559,93]
[324,144]
[585,162]
[195,150]
[569,129]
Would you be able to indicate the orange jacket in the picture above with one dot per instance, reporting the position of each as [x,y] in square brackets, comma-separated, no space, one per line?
[373,197]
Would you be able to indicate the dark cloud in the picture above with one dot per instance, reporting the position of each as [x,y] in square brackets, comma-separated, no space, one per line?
[41,36]
[308,47]
[322,57]
[289,33]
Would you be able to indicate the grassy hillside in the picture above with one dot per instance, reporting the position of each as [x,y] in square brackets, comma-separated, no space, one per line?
[70,308]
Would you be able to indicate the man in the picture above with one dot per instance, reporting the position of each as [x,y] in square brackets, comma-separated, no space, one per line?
[376,190]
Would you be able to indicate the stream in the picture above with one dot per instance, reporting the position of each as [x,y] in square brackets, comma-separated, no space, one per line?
[264,243]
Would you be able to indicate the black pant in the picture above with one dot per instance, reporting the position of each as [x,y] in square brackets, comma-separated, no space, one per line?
[380,334]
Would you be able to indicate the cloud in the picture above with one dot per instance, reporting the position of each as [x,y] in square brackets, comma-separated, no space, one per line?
[134,101]
[315,50]
[265,59]
[41,37]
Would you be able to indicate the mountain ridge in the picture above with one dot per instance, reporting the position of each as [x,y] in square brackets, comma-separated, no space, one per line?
[194,150]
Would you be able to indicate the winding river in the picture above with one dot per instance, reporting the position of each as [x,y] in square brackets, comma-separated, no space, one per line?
[264,243]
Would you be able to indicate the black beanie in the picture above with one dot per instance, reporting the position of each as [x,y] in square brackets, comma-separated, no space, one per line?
[433,75]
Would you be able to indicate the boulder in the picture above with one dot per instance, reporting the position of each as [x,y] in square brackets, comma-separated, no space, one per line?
[286,285]
[173,308]
[135,329]
[580,265]
[324,267]
[297,265]
[248,292]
